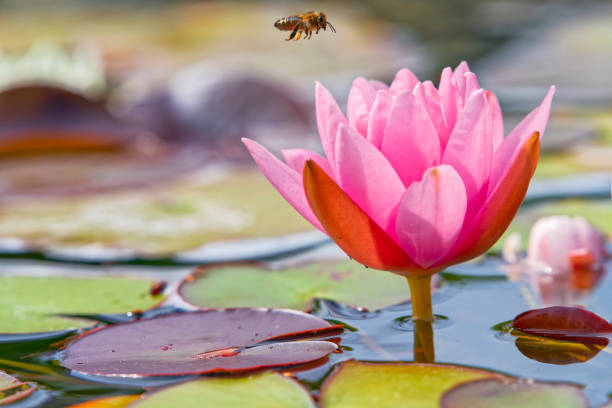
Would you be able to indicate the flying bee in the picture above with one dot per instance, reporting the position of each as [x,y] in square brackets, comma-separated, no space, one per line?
[303,23]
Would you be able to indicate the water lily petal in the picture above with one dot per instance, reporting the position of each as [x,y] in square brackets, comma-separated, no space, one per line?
[404,80]
[496,119]
[497,212]
[379,85]
[295,158]
[329,117]
[378,118]
[470,151]
[360,100]
[591,238]
[534,122]
[431,98]
[459,73]
[361,168]
[471,85]
[349,226]
[450,101]
[430,215]
[286,180]
[411,141]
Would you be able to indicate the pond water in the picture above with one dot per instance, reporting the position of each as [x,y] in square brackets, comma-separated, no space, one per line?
[470,301]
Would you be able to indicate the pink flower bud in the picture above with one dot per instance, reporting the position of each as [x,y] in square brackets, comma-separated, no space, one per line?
[562,242]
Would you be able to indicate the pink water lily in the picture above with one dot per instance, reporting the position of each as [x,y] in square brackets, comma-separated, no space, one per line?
[415,178]
[565,259]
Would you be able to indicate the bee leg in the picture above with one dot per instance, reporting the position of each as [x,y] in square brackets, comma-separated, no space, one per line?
[309,34]
[293,33]
[298,36]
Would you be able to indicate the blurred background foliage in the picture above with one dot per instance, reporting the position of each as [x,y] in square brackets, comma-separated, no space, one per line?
[126,107]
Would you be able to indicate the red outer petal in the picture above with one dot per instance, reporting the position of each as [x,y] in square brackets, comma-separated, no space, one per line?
[500,208]
[351,228]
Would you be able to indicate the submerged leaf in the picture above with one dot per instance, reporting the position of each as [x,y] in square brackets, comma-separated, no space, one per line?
[487,393]
[267,390]
[295,288]
[31,304]
[408,385]
[562,322]
[221,340]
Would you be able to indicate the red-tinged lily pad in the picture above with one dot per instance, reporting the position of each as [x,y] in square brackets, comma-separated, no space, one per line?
[408,385]
[244,285]
[11,389]
[487,393]
[221,340]
[555,351]
[563,322]
[120,401]
[267,390]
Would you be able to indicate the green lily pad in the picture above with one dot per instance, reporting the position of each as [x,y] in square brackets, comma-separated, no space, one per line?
[267,390]
[29,304]
[180,216]
[513,393]
[294,288]
[356,384]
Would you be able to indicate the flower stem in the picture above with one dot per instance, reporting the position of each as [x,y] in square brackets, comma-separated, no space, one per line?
[420,293]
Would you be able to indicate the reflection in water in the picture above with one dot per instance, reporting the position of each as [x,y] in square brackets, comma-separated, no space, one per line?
[423,342]
[559,352]
[564,287]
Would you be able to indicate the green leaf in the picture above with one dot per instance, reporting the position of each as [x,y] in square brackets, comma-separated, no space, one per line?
[514,393]
[254,286]
[28,304]
[407,385]
[267,390]
[161,221]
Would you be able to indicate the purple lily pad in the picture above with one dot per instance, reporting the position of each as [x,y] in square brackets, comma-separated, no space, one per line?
[219,340]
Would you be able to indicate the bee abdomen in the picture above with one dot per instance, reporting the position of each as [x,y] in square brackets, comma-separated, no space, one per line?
[287,23]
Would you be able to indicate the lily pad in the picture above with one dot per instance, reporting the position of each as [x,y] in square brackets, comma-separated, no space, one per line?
[498,393]
[48,119]
[267,390]
[563,322]
[121,401]
[356,384]
[11,389]
[295,288]
[214,206]
[221,340]
[554,351]
[31,304]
